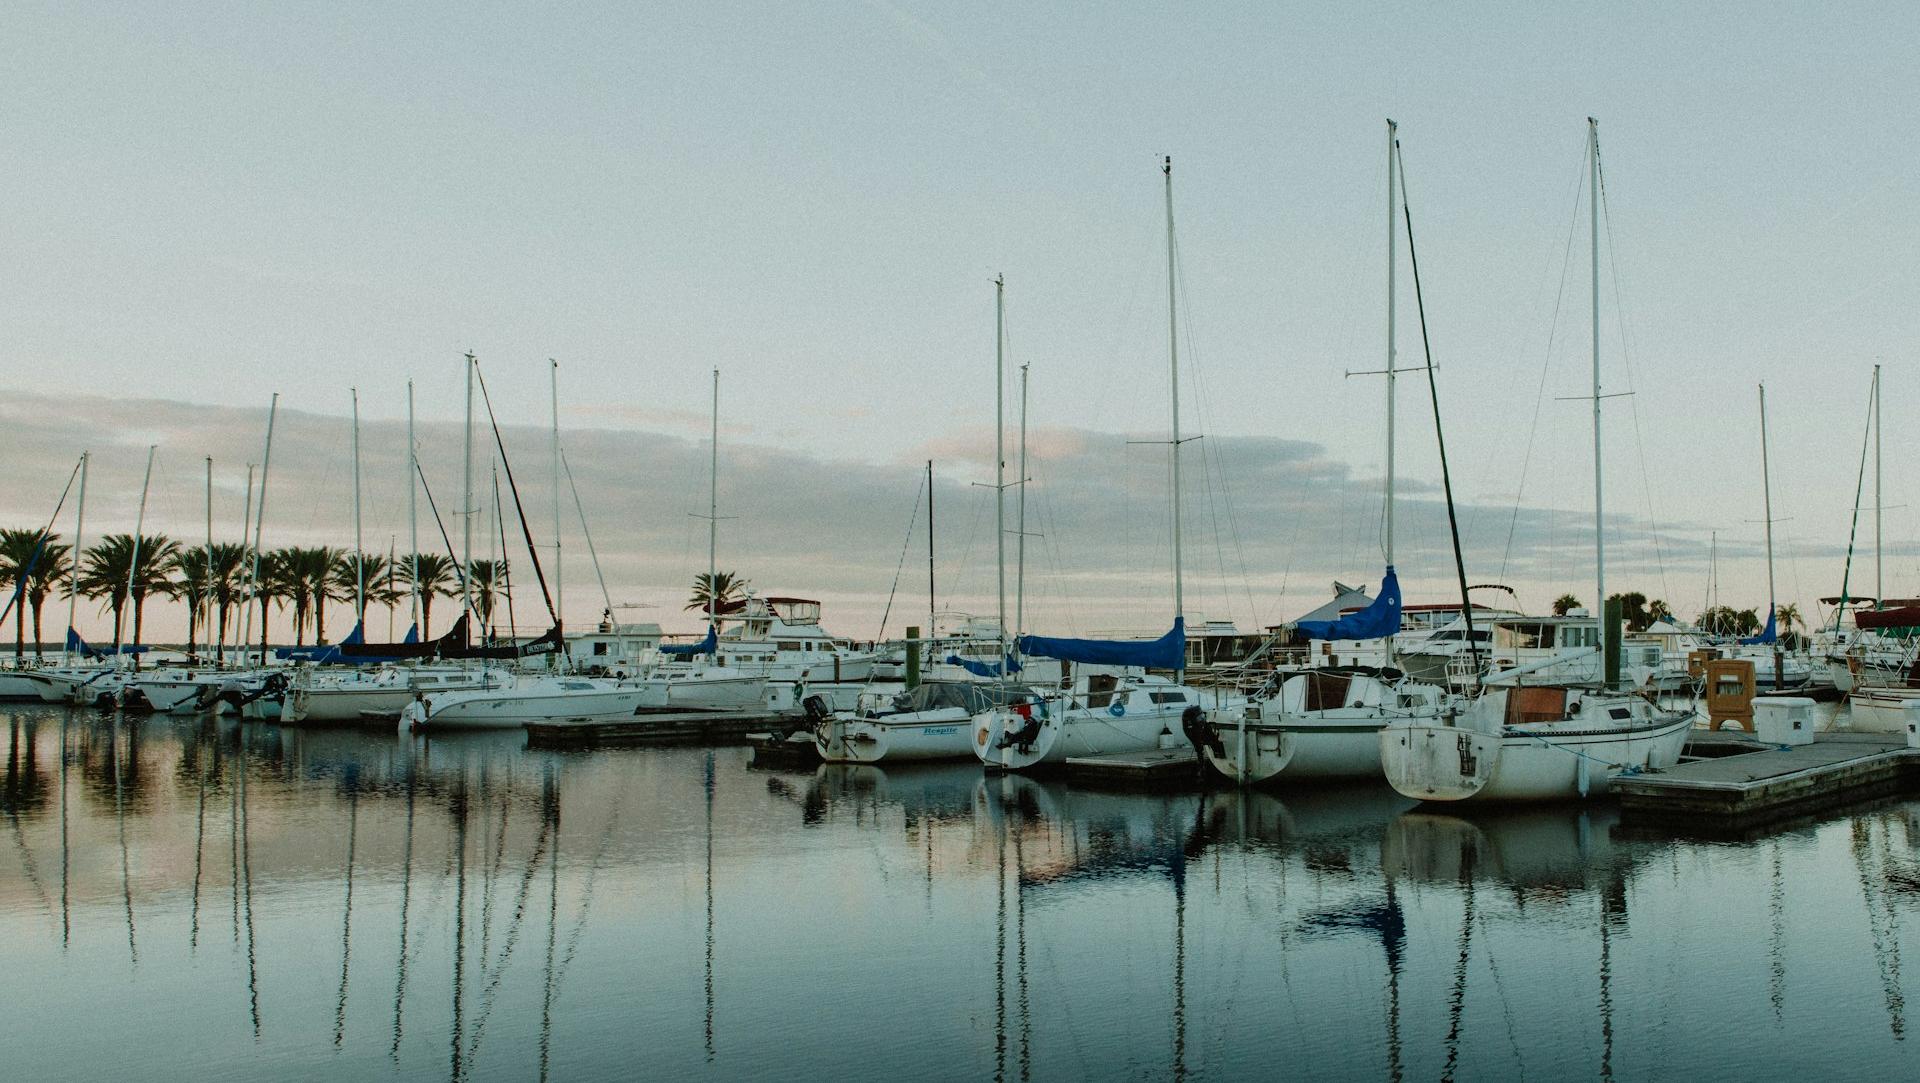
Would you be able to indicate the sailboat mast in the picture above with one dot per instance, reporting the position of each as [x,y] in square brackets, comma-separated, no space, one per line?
[559,603]
[932,606]
[1020,521]
[1599,501]
[1766,495]
[1392,246]
[1879,588]
[413,516]
[466,501]
[999,447]
[713,510]
[1173,370]
[359,545]
[79,542]
[206,595]
[133,559]
[259,523]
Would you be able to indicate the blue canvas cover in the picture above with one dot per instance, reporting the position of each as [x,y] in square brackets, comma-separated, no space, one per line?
[1167,652]
[985,669]
[75,643]
[1377,621]
[1766,635]
[686,650]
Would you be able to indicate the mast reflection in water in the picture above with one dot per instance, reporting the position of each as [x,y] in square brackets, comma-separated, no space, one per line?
[462,907]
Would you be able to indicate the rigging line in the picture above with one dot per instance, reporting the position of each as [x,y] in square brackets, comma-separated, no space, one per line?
[505,570]
[913,521]
[39,546]
[1626,355]
[532,552]
[1859,488]
[459,572]
[1433,388]
[582,509]
[1546,366]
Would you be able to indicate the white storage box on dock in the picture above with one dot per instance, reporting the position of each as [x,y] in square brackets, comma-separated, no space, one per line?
[1785,720]
[1910,715]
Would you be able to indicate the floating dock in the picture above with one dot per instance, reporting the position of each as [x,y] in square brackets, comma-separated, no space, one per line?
[1730,780]
[651,727]
[1154,767]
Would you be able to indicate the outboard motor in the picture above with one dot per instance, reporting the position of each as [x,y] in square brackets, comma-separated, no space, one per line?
[814,709]
[1200,732]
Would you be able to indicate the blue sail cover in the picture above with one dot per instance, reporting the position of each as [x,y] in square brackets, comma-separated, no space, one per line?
[985,669]
[413,634]
[1377,621]
[1167,652]
[1766,634]
[75,643]
[687,650]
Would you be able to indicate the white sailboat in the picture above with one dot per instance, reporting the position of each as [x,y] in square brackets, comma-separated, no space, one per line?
[1116,707]
[1537,743]
[1325,723]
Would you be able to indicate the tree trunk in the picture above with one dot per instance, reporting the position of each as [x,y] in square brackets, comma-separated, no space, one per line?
[263,630]
[37,655]
[19,631]
[139,611]
[320,619]
[426,617]
[193,624]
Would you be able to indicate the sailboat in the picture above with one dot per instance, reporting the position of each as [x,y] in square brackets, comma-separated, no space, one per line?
[1325,722]
[1115,706]
[1519,742]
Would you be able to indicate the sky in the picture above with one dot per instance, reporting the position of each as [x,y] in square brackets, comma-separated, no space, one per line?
[211,205]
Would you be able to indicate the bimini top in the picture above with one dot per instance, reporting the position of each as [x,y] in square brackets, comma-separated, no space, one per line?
[1903,617]
[1377,621]
[1167,652]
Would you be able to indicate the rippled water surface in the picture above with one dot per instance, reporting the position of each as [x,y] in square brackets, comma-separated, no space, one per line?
[190,899]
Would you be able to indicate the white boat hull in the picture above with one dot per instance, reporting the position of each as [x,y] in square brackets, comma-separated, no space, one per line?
[937,735]
[1880,710]
[999,738]
[1528,763]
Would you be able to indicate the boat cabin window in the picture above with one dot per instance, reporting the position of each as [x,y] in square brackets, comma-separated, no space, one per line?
[1100,688]
[1167,697]
[790,645]
[576,686]
[1523,636]
[1326,691]
[599,649]
[1580,635]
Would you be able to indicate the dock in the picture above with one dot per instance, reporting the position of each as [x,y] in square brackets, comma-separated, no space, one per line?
[651,727]
[1731,781]
[1153,767]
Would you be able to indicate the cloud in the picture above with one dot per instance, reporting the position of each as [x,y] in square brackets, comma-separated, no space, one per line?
[1269,523]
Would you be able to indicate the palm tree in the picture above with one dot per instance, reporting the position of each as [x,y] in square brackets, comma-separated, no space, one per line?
[104,573]
[229,586]
[1785,618]
[378,582]
[303,578]
[1565,604]
[194,586]
[273,584]
[20,556]
[1658,610]
[490,581]
[436,577]
[726,587]
[54,567]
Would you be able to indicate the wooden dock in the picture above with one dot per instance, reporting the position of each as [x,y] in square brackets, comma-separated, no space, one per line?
[1731,780]
[651,727]
[1154,767]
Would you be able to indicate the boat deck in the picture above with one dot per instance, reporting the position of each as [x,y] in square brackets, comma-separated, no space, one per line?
[1730,779]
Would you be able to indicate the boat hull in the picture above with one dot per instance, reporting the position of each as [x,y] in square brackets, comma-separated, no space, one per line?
[937,735]
[1453,763]
[1880,710]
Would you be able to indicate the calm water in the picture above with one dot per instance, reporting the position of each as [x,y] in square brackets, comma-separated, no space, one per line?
[200,900]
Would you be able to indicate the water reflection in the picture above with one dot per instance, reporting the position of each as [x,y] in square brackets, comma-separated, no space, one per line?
[465,907]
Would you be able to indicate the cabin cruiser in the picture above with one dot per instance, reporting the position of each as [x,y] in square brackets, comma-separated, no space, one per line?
[929,722]
[507,702]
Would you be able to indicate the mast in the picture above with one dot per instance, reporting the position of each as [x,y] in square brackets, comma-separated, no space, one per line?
[1392,244]
[73,577]
[931,606]
[243,627]
[259,521]
[133,560]
[713,511]
[359,546]
[466,501]
[1879,589]
[206,595]
[999,446]
[1766,493]
[413,517]
[559,605]
[1020,523]
[1599,503]
[1173,370]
